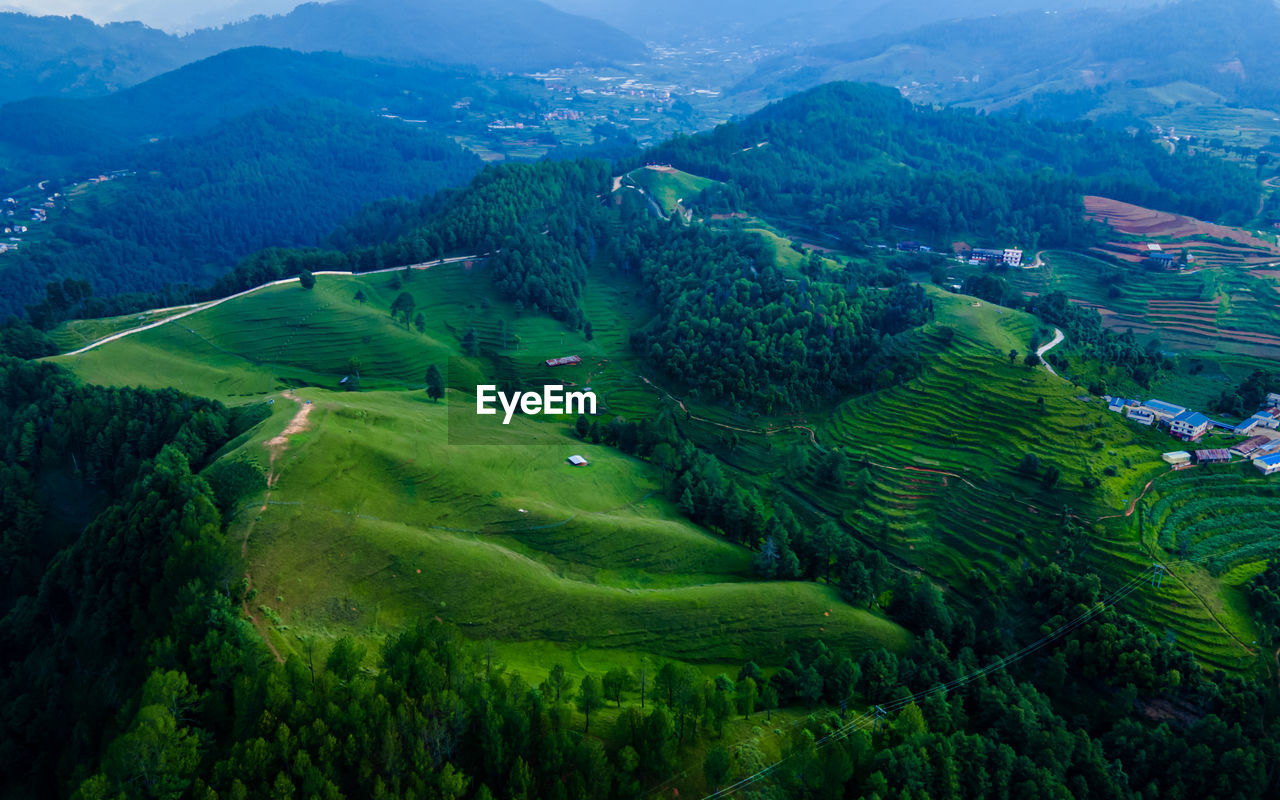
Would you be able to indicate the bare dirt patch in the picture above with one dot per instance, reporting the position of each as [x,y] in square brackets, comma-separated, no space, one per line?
[1138,221]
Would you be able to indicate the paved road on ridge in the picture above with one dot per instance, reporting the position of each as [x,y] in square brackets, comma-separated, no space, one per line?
[195,309]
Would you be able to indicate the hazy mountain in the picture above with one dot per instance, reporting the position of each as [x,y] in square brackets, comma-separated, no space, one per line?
[42,56]
[803,21]
[501,34]
[1225,47]
[73,56]
[206,92]
[167,15]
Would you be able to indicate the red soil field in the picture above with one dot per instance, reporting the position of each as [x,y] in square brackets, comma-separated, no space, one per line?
[1138,221]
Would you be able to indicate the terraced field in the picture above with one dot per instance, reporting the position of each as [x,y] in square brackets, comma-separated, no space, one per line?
[1227,310]
[1212,245]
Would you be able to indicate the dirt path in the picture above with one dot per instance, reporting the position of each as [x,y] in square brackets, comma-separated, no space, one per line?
[276,445]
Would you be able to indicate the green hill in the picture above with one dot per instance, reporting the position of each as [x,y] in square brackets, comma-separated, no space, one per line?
[941,490]
[512,543]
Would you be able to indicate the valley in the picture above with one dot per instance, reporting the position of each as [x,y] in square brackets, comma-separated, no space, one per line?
[927,444]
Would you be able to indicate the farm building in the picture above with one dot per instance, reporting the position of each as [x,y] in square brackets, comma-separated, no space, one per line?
[1189,425]
[1177,458]
[1141,415]
[1267,449]
[1248,446]
[1162,260]
[910,247]
[1214,456]
[565,361]
[1268,464]
[1267,419]
[1162,410]
[1246,427]
[1273,399]
[985,256]
[578,461]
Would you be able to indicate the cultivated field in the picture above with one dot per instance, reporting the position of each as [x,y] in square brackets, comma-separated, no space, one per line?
[1211,245]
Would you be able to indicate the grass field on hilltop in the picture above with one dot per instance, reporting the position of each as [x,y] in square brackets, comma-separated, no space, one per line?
[529,552]
[375,521]
[669,187]
[518,546]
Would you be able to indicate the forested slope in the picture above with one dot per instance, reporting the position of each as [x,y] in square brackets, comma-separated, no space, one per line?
[282,176]
[857,160]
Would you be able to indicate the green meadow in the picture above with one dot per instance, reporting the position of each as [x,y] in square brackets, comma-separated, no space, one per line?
[593,563]
[377,517]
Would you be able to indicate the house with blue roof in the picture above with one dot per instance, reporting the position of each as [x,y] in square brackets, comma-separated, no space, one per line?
[1189,425]
[1246,427]
[1268,465]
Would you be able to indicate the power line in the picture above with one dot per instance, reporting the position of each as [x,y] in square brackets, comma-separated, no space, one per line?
[880,710]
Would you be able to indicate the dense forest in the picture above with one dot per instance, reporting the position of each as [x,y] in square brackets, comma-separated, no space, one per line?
[861,163]
[737,329]
[283,176]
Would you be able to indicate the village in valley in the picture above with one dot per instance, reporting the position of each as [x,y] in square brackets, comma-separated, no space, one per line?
[1262,445]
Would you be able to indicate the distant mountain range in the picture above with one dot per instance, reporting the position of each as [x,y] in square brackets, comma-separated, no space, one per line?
[200,95]
[59,56]
[1064,64]
[772,22]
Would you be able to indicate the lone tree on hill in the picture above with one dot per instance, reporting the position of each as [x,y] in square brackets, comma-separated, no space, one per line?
[590,698]
[306,279]
[435,383]
[469,343]
[403,306]
[1013,356]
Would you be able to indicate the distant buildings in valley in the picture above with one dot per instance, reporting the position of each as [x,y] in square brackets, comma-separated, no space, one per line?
[1008,256]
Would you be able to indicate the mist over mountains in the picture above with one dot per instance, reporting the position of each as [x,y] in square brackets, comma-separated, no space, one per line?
[806,21]
[75,57]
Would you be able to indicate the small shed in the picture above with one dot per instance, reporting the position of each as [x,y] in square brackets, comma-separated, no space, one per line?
[1248,446]
[564,361]
[1213,456]
[578,461]
[1177,458]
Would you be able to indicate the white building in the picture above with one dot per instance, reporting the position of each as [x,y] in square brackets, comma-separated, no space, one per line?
[1013,258]
[1268,465]
[1141,415]
[1189,425]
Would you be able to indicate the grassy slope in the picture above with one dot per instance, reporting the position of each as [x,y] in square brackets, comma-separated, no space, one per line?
[597,563]
[972,414]
[669,188]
